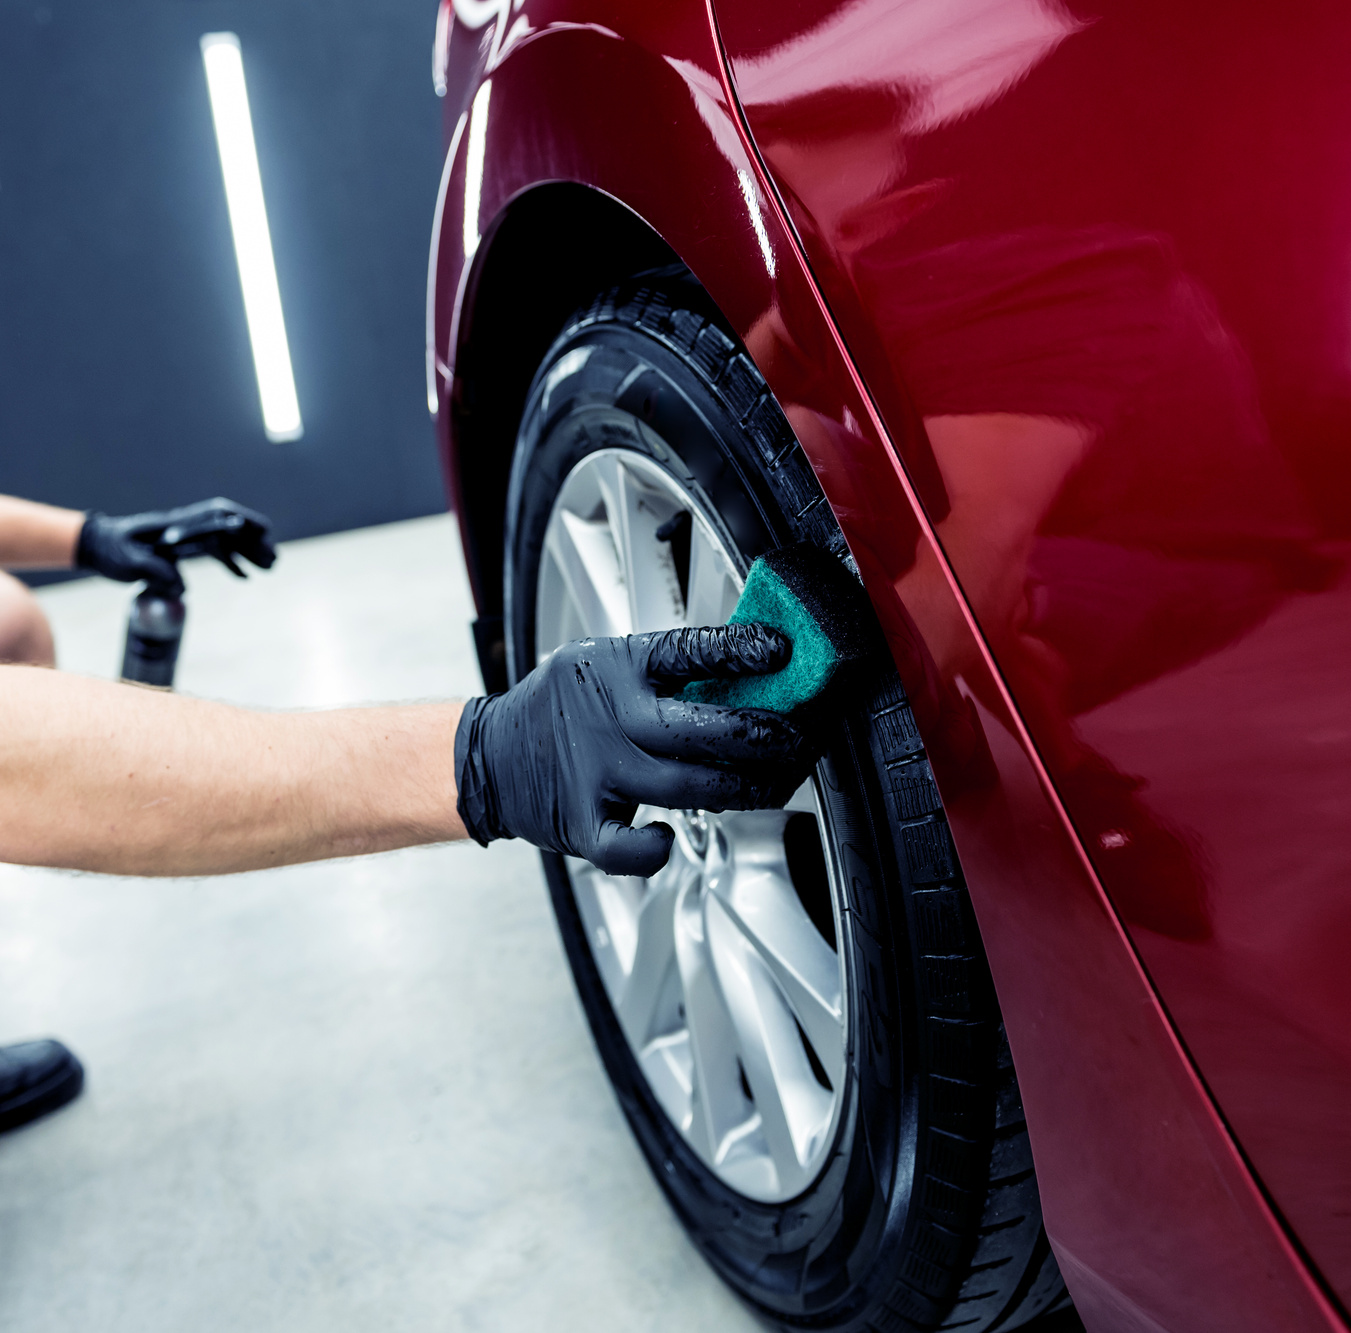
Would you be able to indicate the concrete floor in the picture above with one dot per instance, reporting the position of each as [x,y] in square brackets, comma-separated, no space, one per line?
[358,1095]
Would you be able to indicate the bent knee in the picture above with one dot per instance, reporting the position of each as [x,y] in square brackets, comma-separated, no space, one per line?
[25,635]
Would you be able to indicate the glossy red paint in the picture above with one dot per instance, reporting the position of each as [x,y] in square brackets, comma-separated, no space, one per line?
[1095,265]
[1186,558]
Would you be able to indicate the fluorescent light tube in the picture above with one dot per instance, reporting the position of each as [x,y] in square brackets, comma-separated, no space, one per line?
[253,242]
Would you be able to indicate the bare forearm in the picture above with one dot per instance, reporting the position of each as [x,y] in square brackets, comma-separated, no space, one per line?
[102,777]
[37,536]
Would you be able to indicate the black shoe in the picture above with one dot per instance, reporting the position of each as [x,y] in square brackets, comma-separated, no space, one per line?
[36,1077]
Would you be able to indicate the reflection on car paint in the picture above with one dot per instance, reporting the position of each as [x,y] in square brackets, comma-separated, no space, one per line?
[1101,365]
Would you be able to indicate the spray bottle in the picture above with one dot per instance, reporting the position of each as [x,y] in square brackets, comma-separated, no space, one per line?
[217,528]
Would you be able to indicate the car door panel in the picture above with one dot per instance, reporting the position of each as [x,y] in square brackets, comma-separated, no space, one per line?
[1094,263]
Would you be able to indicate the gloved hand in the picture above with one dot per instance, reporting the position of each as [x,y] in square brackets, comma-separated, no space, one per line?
[145,546]
[566,756]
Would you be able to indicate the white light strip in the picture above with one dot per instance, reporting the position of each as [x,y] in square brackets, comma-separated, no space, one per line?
[253,242]
[752,197]
[475,153]
[433,399]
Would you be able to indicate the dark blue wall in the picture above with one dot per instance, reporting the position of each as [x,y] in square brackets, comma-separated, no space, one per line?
[126,380]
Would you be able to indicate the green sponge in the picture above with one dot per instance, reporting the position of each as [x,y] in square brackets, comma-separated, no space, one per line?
[807,594]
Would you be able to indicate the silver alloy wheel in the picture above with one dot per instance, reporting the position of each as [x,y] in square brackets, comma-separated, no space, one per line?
[730,997]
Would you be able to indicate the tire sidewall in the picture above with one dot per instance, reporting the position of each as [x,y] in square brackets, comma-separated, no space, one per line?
[816,1259]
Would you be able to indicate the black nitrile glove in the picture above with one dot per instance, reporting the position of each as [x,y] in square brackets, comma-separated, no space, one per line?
[145,546]
[565,757]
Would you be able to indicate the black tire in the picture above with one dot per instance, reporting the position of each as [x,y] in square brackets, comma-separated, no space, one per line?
[926,1213]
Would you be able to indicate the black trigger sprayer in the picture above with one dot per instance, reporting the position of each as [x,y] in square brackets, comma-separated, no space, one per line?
[155,623]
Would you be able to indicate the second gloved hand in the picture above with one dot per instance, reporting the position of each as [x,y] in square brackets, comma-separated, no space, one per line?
[138,546]
[565,758]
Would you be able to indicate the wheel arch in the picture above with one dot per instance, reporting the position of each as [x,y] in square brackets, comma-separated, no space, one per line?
[547,252]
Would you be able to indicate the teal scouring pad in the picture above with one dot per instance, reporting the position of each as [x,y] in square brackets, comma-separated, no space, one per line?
[807,594]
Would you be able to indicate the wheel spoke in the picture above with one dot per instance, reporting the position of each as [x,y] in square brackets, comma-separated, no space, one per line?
[719,1105]
[757,893]
[608,906]
[794,1109]
[645,564]
[712,590]
[653,955]
[556,618]
[585,554]
[669,1071]
[802,801]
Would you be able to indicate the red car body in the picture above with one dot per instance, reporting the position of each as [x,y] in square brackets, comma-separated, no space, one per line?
[1117,235]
